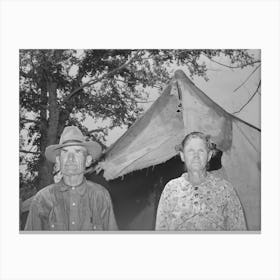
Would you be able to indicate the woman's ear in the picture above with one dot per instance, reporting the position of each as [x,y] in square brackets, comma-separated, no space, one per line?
[210,154]
[88,160]
[182,156]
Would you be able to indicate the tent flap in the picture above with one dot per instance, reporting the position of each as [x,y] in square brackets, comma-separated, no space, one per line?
[150,141]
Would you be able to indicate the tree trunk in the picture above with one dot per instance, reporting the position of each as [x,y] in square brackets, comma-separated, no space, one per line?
[49,131]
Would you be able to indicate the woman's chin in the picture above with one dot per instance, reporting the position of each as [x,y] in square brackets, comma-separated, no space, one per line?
[197,168]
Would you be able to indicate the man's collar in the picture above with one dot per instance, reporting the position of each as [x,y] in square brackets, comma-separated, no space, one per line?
[80,188]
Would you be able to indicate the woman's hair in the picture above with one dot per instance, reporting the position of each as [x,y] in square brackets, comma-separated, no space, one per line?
[200,135]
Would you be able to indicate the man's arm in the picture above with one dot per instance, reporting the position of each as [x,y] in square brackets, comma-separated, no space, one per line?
[109,221]
[33,220]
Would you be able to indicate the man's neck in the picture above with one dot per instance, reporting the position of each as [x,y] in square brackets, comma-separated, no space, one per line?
[74,180]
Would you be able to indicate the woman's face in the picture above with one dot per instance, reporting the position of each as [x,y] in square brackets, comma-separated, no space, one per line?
[195,155]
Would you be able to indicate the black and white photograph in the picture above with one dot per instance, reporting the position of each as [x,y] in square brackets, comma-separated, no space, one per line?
[124,139]
[139,140]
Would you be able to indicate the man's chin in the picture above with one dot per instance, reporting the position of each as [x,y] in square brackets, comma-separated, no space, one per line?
[72,173]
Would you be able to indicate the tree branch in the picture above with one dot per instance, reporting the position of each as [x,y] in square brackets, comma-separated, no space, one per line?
[248,99]
[233,67]
[147,101]
[25,75]
[29,152]
[24,120]
[96,130]
[138,80]
[247,78]
[96,80]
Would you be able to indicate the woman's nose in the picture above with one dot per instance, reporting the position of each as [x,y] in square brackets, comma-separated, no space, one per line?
[196,154]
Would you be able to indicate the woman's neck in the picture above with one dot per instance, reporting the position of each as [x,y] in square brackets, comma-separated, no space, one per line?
[197,177]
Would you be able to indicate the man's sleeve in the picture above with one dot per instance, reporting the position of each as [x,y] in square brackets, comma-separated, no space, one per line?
[235,214]
[165,209]
[33,220]
[109,216]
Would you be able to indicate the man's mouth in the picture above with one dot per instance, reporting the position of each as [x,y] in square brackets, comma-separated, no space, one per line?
[70,165]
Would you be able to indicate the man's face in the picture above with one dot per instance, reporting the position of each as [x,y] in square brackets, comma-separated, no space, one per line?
[73,160]
[195,155]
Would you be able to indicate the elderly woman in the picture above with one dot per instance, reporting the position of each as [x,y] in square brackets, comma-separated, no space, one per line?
[198,200]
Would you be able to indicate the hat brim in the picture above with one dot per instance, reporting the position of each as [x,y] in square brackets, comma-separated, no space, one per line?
[93,148]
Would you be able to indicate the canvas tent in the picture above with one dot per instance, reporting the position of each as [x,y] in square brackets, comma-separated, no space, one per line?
[180,109]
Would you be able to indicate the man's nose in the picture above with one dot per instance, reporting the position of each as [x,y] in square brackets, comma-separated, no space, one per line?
[70,156]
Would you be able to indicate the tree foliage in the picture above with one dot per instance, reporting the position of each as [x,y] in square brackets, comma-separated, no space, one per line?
[65,87]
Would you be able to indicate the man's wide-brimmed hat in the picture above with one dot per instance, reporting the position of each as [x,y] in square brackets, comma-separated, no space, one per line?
[72,136]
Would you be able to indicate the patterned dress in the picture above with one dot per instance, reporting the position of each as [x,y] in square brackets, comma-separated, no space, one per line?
[212,205]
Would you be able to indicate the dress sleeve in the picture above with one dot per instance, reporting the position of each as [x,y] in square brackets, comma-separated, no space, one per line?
[34,221]
[165,209]
[234,212]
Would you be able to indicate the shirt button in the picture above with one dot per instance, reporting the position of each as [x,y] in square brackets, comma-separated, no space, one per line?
[73,188]
[94,227]
[73,223]
[52,225]
[73,203]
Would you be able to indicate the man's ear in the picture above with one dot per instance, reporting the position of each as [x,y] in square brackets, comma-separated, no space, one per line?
[210,154]
[57,163]
[88,160]
[182,156]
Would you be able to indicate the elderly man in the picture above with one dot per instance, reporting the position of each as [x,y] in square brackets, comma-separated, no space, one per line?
[198,200]
[73,203]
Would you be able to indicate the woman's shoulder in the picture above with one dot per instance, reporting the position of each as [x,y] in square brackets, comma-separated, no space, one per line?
[219,182]
[177,183]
